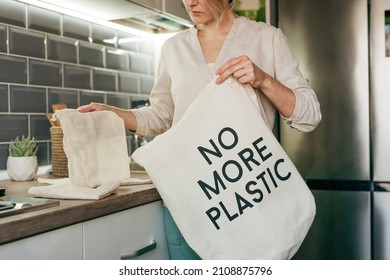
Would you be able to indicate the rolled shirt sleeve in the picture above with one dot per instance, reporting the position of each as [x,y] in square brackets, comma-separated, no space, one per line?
[307,114]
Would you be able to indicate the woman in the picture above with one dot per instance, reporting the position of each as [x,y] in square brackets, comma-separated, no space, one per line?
[223,44]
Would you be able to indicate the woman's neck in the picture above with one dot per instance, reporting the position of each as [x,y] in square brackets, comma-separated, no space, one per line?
[223,27]
[212,38]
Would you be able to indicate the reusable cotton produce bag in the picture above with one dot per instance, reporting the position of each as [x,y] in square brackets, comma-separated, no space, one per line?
[95,145]
[230,187]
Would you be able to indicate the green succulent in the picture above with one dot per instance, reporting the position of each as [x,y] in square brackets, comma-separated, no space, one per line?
[25,147]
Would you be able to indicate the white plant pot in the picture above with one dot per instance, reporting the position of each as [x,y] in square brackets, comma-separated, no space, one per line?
[22,168]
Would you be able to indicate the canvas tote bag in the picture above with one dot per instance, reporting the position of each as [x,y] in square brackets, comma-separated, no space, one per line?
[230,187]
[95,145]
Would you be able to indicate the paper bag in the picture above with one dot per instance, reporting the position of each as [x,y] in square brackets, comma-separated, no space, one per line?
[230,187]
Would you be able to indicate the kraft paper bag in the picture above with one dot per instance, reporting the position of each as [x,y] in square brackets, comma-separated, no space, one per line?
[95,145]
[230,187]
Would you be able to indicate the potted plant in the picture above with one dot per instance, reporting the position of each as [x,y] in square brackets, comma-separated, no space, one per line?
[22,163]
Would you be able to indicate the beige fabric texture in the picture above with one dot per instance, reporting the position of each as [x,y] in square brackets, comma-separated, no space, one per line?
[95,145]
[63,189]
[230,187]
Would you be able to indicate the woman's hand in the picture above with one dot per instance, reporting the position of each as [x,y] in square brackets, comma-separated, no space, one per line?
[128,117]
[246,72]
[93,107]
[243,69]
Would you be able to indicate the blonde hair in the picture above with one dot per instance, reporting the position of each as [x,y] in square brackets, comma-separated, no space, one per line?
[218,8]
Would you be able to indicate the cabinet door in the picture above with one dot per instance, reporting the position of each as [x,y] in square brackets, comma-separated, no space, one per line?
[61,244]
[137,233]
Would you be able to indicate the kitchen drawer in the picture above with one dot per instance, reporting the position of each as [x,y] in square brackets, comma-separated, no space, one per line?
[61,244]
[137,233]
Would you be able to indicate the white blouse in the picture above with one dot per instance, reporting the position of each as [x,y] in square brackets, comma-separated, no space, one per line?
[183,73]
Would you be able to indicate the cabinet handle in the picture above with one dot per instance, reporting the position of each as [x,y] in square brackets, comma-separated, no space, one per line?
[139,252]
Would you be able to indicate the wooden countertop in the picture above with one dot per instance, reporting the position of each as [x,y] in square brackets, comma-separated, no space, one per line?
[69,211]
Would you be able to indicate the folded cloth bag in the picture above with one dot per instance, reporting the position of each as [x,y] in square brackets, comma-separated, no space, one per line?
[230,187]
[63,189]
[95,145]
[63,181]
[135,182]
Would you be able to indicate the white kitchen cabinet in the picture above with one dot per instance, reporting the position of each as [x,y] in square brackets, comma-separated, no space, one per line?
[61,244]
[137,233]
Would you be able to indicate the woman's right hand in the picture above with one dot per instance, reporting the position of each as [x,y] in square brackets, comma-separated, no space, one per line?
[93,107]
[127,115]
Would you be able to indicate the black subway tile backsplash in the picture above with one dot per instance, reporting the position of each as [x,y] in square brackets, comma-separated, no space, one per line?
[88,97]
[43,20]
[121,101]
[77,77]
[91,55]
[129,83]
[27,99]
[68,97]
[140,63]
[43,153]
[76,28]
[45,73]
[104,80]
[48,58]
[40,127]
[13,69]
[3,98]
[27,43]
[13,12]
[3,156]
[147,83]
[61,49]
[3,38]
[12,126]
[117,59]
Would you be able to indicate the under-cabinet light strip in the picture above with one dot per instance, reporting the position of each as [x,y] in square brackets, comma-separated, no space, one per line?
[86,17]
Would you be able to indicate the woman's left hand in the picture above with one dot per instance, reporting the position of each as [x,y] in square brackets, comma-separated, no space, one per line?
[246,72]
[243,69]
